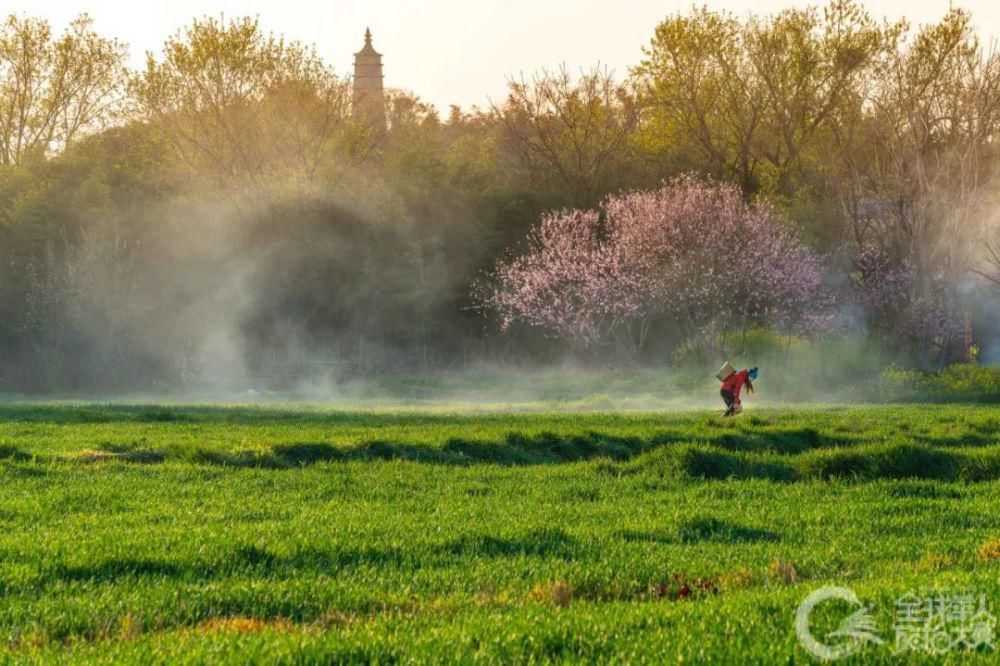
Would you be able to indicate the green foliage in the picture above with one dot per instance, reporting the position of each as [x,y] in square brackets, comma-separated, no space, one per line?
[964,382]
[245,109]
[172,533]
[55,90]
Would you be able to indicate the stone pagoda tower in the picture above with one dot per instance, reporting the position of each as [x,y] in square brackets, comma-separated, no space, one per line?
[368,100]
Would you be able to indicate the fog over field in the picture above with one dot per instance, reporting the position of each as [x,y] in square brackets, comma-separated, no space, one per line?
[828,212]
[691,359]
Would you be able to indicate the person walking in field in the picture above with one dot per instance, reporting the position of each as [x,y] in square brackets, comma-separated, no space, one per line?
[732,385]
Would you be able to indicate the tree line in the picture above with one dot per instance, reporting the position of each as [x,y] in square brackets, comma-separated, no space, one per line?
[219,216]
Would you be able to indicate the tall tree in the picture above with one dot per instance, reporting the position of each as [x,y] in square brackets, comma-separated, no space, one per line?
[811,63]
[750,101]
[572,135]
[925,155]
[244,107]
[703,106]
[53,90]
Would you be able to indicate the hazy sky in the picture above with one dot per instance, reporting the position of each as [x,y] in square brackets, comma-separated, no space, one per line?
[451,51]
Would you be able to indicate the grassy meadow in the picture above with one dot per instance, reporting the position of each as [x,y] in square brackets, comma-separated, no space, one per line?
[297,534]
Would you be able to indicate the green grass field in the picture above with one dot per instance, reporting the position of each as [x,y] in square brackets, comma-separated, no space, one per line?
[298,534]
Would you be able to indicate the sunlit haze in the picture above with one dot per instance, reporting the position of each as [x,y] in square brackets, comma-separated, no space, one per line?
[499,331]
[450,51]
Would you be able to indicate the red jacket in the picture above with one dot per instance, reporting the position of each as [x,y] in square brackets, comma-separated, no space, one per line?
[734,383]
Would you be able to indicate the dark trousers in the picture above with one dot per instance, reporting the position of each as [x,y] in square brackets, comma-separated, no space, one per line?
[729,399]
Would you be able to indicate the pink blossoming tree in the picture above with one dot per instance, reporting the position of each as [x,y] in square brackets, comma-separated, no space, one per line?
[692,253]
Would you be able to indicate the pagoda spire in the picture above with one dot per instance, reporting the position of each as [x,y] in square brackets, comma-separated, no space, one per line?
[368,49]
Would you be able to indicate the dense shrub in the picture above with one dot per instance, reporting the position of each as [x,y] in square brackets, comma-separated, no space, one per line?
[956,383]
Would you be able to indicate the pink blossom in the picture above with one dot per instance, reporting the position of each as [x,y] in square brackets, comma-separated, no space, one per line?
[691,252]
